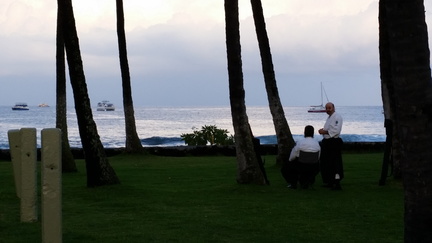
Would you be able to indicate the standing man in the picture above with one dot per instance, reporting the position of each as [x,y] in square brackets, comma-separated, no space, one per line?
[331,157]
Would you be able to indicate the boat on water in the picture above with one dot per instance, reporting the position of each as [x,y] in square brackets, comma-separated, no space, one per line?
[43,105]
[20,106]
[316,108]
[319,108]
[109,107]
[105,105]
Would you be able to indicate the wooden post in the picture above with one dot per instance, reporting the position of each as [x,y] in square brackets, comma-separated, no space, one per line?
[15,152]
[28,175]
[51,186]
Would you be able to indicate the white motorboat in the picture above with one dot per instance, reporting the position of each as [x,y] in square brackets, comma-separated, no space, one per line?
[20,106]
[105,105]
[109,107]
[43,105]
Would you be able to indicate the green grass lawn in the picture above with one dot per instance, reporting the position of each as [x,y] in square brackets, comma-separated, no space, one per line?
[196,199]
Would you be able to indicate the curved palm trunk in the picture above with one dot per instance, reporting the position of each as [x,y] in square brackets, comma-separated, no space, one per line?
[392,154]
[283,132]
[411,77]
[133,143]
[249,169]
[99,171]
[68,162]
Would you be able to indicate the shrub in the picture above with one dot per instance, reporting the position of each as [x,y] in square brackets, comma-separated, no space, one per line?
[209,134]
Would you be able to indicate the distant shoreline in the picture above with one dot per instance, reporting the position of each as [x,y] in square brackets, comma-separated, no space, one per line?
[180,151]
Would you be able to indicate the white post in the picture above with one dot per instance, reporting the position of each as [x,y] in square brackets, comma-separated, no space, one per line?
[15,152]
[51,186]
[28,175]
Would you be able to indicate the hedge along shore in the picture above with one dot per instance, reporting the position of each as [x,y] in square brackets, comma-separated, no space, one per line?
[179,151]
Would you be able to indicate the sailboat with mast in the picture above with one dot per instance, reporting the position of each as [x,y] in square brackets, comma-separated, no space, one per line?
[319,108]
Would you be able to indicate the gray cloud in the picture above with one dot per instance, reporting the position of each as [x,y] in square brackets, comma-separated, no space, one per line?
[182,60]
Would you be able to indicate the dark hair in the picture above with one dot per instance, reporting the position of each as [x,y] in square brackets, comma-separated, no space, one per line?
[309,131]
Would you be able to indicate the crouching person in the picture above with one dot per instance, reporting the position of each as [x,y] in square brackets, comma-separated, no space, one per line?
[303,165]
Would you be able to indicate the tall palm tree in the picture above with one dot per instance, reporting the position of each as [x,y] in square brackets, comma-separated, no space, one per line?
[392,153]
[249,169]
[283,132]
[386,90]
[99,171]
[133,143]
[409,58]
[68,162]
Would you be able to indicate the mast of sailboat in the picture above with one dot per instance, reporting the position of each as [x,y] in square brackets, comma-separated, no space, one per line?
[322,103]
[323,90]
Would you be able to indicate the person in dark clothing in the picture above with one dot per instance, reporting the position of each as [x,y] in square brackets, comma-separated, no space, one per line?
[331,165]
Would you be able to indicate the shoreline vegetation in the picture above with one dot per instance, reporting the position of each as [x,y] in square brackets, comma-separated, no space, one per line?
[197,199]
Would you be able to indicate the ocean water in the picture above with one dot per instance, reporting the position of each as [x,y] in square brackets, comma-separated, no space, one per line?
[162,126]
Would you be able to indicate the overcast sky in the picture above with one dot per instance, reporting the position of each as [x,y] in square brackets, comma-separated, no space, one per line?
[177,52]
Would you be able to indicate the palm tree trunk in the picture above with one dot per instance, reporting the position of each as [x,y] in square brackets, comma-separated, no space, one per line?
[133,143]
[411,78]
[283,132]
[68,162]
[392,154]
[99,171]
[249,170]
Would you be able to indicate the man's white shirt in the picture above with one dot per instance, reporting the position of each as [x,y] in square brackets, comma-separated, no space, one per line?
[333,126]
[308,144]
